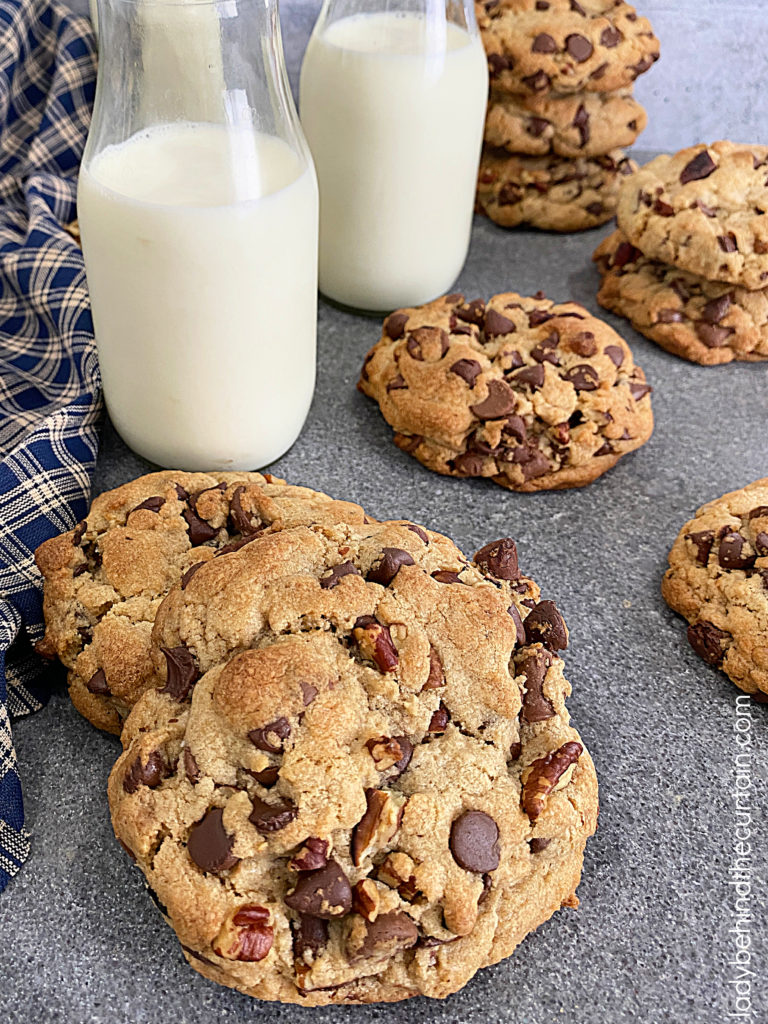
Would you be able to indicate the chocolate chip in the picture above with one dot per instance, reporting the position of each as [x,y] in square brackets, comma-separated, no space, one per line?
[515,427]
[610,37]
[761,543]
[581,121]
[499,559]
[387,935]
[240,519]
[394,325]
[543,43]
[538,845]
[714,310]
[519,627]
[436,677]
[308,692]
[534,666]
[639,391]
[182,673]
[713,336]
[267,777]
[730,555]
[758,513]
[700,167]
[392,560]
[337,574]
[532,461]
[538,82]
[268,818]
[542,5]
[445,576]
[669,316]
[439,721]
[199,530]
[472,312]
[544,624]
[625,253]
[421,534]
[191,769]
[533,375]
[310,937]
[579,47]
[599,71]
[536,126]
[708,641]
[596,209]
[576,6]
[474,842]
[500,401]
[467,369]
[515,750]
[271,737]
[497,63]
[325,893]
[545,350]
[397,383]
[583,377]
[536,317]
[98,684]
[149,774]
[153,504]
[583,344]
[209,845]
[311,857]
[509,194]
[728,242]
[496,323]
[606,448]
[702,541]
[424,341]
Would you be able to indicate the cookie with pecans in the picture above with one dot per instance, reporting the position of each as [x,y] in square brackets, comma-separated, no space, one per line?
[718,580]
[532,394]
[104,580]
[537,46]
[707,322]
[563,124]
[550,192]
[703,210]
[370,788]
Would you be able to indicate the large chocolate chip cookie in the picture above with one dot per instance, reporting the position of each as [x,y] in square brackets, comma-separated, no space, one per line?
[380,792]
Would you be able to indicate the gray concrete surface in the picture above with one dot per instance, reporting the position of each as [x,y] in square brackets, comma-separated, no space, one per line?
[82,942]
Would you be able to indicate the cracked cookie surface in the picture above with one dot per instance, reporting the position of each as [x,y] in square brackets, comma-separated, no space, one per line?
[718,580]
[380,792]
[705,210]
[531,394]
[534,46]
[707,322]
[567,125]
[550,192]
[104,580]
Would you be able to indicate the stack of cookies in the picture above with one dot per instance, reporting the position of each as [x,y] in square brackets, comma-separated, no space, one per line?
[560,108]
[348,769]
[688,265]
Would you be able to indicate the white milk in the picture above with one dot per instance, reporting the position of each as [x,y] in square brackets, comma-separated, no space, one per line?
[201,256]
[393,108]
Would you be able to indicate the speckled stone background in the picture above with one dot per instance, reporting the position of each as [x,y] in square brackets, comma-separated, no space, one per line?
[656,935]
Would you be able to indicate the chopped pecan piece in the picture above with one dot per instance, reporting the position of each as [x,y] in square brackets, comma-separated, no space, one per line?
[541,777]
[374,642]
[377,826]
[246,935]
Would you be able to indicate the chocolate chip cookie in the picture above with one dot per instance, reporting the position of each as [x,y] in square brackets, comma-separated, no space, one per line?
[703,210]
[532,394]
[550,192]
[104,580]
[718,580]
[535,46]
[379,792]
[563,124]
[705,321]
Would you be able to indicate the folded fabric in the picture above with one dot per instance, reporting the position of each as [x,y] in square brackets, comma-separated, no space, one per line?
[50,390]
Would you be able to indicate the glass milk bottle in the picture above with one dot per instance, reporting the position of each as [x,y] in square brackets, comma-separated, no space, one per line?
[392,101]
[198,212]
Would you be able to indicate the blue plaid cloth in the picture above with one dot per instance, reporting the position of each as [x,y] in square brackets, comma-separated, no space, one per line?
[50,390]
